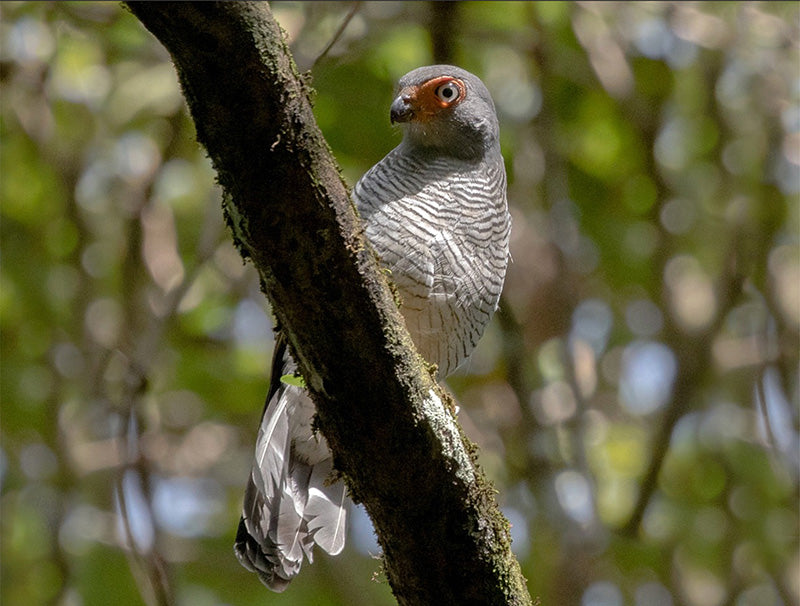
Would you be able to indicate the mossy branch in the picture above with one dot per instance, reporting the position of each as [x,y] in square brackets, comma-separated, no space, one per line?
[400,450]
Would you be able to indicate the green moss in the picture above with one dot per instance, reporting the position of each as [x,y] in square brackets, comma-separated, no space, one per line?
[234,220]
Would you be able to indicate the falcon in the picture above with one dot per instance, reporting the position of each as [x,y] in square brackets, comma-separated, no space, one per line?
[435,212]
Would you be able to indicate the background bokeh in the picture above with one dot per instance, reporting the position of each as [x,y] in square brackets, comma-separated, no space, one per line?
[635,398]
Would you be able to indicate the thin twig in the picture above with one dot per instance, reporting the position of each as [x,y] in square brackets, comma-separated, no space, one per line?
[338,34]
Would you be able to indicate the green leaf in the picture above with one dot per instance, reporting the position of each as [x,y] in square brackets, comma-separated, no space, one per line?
[295,380]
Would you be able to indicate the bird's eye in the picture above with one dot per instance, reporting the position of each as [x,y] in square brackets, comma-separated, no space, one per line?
[448,92]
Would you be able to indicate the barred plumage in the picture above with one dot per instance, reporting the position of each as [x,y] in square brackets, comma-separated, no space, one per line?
[435,212]
[442,229]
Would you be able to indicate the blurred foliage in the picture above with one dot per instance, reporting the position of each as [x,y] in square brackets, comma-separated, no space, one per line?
[636,398]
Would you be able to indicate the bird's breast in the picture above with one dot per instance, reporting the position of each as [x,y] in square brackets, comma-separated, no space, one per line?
[443,234]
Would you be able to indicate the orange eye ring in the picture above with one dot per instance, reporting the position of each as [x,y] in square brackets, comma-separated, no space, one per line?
[447,91]
[424,101]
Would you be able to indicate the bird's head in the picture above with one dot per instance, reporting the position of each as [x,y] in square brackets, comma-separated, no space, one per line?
[446,109]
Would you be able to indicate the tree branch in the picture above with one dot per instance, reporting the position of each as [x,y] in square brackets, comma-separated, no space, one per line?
[399,449]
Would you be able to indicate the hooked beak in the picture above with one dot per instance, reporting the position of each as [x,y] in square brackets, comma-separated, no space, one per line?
[402,109]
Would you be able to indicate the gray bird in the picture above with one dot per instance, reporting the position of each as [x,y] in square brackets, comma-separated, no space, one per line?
[435,212]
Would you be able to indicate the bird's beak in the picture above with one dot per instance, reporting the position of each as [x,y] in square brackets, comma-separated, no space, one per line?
[402,109]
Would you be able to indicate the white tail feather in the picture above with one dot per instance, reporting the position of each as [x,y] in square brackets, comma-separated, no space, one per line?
[326,511]
[289,506]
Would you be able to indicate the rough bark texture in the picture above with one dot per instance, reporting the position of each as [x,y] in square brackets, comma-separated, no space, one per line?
[402,455]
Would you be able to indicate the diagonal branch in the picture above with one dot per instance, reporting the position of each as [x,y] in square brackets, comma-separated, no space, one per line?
[399,449]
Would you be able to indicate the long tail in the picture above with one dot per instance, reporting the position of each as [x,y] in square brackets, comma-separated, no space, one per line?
[290,503]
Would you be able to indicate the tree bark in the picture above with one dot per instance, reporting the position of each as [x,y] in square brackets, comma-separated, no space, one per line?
[397,445]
